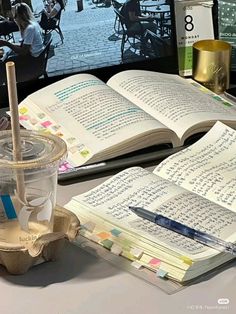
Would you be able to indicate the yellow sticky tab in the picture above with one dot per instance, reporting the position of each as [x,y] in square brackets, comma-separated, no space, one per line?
[186,260]
[84,153]
[128,255]
[23,110]
[46,131]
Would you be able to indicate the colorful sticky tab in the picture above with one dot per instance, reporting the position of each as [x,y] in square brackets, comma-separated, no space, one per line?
[84,153]
[136,265]
[23,110]
[128,255]
[136,252]
[65,166]
[47,131]
[126,243]
[103,235]
[186,260]
[23,118]
[89,226]
[107,244]
[161,273]
[116,249]
[154,262]
[8,206]
[115,232]
[46,124]
[226,103]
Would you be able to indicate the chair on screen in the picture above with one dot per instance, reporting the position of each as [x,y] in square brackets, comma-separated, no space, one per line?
[52,25]
[135,40]
[117,27]
[160,47]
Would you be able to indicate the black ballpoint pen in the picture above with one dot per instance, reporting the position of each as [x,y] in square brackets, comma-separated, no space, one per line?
[199,236]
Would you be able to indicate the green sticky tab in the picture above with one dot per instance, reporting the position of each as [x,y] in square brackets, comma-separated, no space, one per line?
[107,244]
[217,98]
[226,103]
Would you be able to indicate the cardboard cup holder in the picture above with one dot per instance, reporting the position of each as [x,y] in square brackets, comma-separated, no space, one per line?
[18,259]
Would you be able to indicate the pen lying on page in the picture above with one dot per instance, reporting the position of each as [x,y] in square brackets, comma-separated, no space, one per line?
[186,231]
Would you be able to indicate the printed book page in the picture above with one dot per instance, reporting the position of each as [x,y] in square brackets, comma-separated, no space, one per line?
[173,101]
[33,118]
[135,186]
[207,168]
[96,115]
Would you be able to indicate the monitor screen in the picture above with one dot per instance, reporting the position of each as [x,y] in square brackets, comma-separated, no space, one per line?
[101,37]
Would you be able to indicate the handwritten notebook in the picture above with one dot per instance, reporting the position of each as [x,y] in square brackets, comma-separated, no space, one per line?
[195,186]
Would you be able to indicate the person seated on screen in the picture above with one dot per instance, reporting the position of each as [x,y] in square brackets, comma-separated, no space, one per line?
[134,20]
[50,14]
[31,44]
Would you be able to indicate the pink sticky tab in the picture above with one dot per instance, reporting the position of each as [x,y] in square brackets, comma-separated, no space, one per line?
[23,117]
[154,262]
[65,166]
[46,124]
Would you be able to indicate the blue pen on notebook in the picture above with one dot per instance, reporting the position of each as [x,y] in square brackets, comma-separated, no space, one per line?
[186,231]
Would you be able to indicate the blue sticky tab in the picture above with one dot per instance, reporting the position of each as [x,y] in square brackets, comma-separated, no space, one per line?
[161,273]
[115,232]
[8,206]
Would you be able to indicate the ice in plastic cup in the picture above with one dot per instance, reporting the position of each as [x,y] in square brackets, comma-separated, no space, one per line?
[28,187]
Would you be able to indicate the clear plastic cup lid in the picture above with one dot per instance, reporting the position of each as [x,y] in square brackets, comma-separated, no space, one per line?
[37,150]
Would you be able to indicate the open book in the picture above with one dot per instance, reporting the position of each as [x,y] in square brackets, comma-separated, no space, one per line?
[135,109]
[196,187]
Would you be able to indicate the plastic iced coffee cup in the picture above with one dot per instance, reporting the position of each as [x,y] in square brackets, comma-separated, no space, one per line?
[28,187]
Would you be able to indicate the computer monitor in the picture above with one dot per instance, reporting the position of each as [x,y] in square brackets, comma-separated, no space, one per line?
[95,40]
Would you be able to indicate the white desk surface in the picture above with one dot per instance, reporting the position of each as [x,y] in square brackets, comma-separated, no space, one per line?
[78,283]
